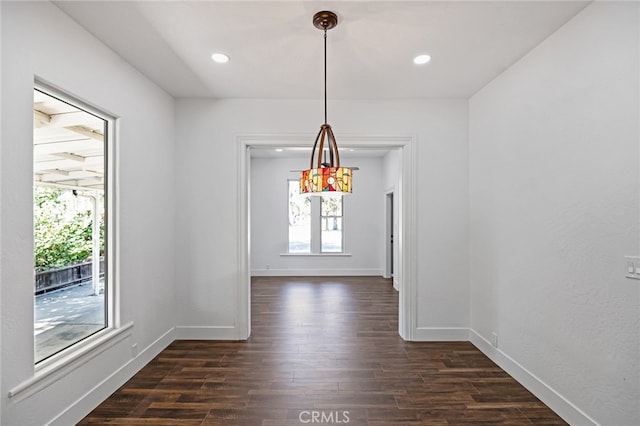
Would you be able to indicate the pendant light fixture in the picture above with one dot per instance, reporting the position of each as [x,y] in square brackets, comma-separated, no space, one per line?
[325,177]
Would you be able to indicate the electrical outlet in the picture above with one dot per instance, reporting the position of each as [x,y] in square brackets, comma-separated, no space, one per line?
[494,339]
[632,267]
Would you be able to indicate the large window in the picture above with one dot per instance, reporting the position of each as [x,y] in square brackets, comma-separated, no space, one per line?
[315,223]
[70,222]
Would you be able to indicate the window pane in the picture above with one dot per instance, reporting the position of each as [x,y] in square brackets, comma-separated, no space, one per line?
[299,220]
[331,206]
[331,234]
[69,224]
[331,225]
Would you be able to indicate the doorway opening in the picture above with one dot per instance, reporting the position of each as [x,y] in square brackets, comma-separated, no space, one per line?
[404,237]
[390,230]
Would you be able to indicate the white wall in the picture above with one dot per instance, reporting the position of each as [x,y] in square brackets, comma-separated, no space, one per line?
[207,158]
[40,41]
[554,208]
[363,221]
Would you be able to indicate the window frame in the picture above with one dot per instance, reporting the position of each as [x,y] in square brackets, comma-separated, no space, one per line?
[112,327]
[316,219]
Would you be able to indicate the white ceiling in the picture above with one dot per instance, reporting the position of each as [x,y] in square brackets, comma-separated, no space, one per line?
[277,53]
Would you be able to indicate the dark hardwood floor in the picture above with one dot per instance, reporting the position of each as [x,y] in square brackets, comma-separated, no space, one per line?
[322,351]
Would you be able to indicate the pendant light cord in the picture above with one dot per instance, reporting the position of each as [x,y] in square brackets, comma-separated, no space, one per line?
[325,75]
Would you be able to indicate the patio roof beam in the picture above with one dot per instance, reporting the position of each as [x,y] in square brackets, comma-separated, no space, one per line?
[85,131]
[69,156]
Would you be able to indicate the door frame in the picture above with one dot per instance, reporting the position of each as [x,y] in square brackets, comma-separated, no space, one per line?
[388,229]
[405,196]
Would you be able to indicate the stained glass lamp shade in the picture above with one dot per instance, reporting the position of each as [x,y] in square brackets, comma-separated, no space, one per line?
[325,178]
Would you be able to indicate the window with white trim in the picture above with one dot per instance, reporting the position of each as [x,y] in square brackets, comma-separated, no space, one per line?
[315,223]
[71,238]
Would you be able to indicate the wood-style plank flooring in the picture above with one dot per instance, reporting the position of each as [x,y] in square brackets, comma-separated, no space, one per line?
[322,351]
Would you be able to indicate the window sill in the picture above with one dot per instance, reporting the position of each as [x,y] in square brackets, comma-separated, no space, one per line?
[316,254]
[51,370]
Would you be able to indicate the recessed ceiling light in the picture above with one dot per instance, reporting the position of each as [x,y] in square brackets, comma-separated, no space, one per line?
[421,59]
[278,149]
[220,58]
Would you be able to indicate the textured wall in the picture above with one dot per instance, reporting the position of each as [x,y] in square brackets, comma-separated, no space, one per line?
[208,251]
[554,209]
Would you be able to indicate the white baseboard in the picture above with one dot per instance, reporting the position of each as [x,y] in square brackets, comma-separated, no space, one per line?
[206,333]
[315,272]
[396,285]
[441,334]
[83,406]
[563,407]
